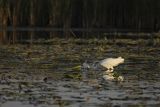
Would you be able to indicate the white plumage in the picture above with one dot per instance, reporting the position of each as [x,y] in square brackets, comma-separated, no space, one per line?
[109,63]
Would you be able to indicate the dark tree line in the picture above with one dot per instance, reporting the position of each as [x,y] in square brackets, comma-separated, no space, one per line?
[66,14]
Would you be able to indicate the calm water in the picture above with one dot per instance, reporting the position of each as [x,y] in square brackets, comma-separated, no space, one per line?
[50,75]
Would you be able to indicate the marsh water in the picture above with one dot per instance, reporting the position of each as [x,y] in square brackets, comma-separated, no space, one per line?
[49,74]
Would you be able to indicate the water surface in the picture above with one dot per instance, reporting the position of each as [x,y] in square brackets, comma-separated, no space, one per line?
[50,75]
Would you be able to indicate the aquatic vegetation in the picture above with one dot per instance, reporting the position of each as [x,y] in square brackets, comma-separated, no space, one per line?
[73,76]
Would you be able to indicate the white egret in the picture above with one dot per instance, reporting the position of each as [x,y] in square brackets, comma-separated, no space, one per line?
[109,63]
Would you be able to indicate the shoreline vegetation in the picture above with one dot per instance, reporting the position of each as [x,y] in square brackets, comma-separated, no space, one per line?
[114,15]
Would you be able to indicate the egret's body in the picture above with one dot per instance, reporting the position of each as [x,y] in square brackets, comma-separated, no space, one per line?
[109,63]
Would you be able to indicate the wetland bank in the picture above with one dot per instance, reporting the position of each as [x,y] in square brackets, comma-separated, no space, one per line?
[48,74]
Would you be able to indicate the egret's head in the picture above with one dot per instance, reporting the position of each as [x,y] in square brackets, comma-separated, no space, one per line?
[120,59]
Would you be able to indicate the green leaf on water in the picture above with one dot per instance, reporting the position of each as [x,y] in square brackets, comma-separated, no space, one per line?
[76,68]
[73,76]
